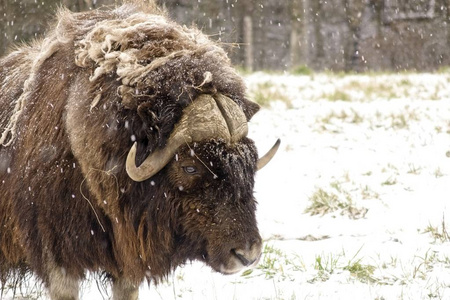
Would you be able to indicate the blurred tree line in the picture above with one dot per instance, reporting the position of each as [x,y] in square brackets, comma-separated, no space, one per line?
[340,35]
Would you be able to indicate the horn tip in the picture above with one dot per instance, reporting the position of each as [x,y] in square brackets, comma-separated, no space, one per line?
[268,156]
[278,142]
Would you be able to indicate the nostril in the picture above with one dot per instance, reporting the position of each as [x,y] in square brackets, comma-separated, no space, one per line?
[240,254]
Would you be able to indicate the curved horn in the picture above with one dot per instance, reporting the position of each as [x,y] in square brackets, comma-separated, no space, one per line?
[152,164]
[206,117]
[263,161]
[234,116]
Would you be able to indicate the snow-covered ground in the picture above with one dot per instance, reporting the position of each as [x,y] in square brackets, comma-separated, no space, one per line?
[356,203]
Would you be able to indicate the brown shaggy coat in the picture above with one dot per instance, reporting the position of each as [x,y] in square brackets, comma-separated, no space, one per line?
[71,106]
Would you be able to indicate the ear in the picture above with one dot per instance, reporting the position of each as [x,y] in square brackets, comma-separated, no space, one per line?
[249,108]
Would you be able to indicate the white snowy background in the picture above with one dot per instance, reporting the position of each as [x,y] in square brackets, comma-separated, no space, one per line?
[354,205]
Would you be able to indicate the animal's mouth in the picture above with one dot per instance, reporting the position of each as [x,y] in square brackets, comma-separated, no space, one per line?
[235,260]
[237,263]
[246,261]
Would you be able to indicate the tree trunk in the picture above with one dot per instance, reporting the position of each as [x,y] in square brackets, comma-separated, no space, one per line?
[316,10]
[354,10]
[447,2]
[248,43]
[298,38]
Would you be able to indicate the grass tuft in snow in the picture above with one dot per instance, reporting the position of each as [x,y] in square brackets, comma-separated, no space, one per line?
[329,264]
[324,202]
[351,116]
[338,95]
[403,120]
[302,70]
[438,233]
[326,266]
[389,181]
[338,199]
[413,169]
[272,262]
[265,92]
[368,193]
[438,173]
[362,272]
[275,264]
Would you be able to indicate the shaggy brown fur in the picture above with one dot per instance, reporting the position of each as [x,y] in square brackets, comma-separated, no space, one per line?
[71,106]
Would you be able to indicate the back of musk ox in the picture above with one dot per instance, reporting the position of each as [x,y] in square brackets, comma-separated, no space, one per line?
[123,152]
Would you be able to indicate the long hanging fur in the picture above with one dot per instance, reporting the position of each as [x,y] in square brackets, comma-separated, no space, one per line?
[71,106]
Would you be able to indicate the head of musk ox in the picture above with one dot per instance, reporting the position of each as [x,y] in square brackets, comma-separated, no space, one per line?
[123,151]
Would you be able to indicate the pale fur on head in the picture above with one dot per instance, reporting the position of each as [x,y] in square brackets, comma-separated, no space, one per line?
[139,43]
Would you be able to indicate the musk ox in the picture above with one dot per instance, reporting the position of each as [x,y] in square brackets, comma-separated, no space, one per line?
[124,151]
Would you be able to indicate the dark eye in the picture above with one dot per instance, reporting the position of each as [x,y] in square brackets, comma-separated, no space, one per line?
[190,170]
